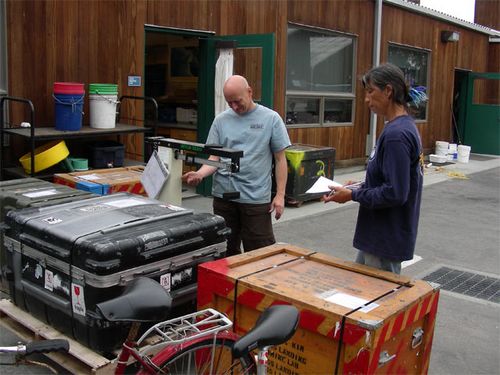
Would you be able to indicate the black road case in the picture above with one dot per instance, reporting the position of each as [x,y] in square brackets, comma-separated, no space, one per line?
[69,257]
[31,192]
[306,163]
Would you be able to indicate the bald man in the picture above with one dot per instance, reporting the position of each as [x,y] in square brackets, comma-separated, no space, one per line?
[261,134]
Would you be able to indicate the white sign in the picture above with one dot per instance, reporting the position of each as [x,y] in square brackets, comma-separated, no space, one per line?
[165,281]
[154,176]
[49,280]
[78,299]
[42,193]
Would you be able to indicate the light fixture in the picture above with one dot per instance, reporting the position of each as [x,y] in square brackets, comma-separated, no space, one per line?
[449,36]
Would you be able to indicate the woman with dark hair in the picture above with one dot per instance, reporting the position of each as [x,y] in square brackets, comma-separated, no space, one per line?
[390,197]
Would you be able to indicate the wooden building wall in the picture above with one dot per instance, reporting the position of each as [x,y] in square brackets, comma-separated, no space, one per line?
[420,31]
[487,13]
[342,16]
[103,41]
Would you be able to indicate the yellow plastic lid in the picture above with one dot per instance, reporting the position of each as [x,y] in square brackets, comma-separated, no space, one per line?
[46,156]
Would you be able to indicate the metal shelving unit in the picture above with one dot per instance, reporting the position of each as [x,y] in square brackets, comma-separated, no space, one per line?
[34,134]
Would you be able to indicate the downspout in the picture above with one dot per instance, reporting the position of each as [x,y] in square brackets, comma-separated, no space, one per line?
[377,31]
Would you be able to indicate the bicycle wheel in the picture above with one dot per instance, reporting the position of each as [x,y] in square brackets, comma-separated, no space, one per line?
[202,356]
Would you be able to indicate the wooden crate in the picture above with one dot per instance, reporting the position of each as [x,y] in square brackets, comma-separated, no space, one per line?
[354,319]
[105,181]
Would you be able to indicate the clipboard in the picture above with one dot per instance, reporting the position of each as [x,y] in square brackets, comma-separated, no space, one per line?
[154,176]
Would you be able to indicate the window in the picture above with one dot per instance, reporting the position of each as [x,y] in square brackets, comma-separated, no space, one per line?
[319,77]
[414,64]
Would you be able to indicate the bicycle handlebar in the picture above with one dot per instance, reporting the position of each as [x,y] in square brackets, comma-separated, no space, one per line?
[47,346]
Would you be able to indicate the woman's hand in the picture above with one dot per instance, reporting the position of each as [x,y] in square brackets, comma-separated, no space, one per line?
[338,195]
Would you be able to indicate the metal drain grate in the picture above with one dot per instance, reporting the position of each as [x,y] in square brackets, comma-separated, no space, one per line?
[467,283]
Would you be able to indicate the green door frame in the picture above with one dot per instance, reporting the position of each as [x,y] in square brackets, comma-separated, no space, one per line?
[482,121]
[206,79]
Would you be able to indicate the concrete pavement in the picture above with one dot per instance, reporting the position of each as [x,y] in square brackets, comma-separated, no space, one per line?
[433,174]
[459,228]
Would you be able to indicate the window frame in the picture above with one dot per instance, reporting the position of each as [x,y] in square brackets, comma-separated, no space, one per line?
[428,73]
[324,95]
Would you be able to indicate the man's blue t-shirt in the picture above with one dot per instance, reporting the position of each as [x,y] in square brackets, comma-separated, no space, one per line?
[390,197]
[258,133]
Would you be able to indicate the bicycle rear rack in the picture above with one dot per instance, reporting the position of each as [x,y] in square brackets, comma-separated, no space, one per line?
[176,331]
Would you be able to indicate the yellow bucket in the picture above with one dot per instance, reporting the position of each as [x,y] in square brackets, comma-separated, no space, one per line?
[46,156]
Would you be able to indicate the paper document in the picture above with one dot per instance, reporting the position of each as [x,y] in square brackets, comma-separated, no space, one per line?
[154,176]
[321,185]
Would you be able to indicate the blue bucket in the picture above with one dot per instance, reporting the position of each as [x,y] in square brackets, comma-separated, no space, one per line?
[68,111]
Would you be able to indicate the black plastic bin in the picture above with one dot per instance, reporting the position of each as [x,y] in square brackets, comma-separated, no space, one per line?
[106,154]
[306,163]
[72,256]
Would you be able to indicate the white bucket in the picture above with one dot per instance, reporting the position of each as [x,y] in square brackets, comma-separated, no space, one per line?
[463,153]
[441,148]
[102,111]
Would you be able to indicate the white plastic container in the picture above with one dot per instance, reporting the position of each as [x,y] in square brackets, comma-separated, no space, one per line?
[102,111]
[463,153]
[433,158]
[442,148]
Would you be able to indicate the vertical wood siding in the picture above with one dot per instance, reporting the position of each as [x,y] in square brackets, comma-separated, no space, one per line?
[103,41]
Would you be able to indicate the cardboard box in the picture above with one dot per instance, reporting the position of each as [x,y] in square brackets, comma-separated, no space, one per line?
[354,319]
[105,181]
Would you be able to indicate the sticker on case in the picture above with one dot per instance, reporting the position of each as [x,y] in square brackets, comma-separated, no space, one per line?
[49,280]
[38,194]
[78,299]
[165,281]
[52,220]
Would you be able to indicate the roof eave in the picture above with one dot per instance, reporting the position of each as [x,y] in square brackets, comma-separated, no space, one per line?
[412,7]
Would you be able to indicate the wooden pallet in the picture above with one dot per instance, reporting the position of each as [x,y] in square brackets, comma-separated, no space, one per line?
[79,359]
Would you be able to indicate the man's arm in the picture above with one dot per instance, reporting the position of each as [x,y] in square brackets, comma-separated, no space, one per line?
[281,173]
[194,178]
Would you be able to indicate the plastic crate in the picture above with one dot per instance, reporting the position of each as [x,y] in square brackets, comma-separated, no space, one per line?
[106,154]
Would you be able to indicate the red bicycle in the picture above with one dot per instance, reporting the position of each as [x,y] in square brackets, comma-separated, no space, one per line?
[197,343]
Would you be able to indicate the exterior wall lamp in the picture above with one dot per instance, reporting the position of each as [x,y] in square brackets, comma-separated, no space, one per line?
[449,36]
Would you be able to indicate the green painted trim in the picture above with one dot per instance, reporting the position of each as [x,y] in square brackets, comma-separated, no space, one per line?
[485,75]
[267,42]
[482,123]
[206,101]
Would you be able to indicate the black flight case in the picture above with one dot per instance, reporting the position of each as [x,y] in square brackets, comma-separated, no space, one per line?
[31,192]
[69,257]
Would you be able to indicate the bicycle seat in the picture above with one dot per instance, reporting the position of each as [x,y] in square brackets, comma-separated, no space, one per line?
[275,325]
[143,300]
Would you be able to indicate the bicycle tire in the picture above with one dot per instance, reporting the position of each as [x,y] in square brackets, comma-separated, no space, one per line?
[194,357]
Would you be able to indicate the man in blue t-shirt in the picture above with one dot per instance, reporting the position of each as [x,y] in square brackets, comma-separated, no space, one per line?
[261,134]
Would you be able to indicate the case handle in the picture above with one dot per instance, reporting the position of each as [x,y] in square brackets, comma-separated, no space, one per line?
[39,244]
